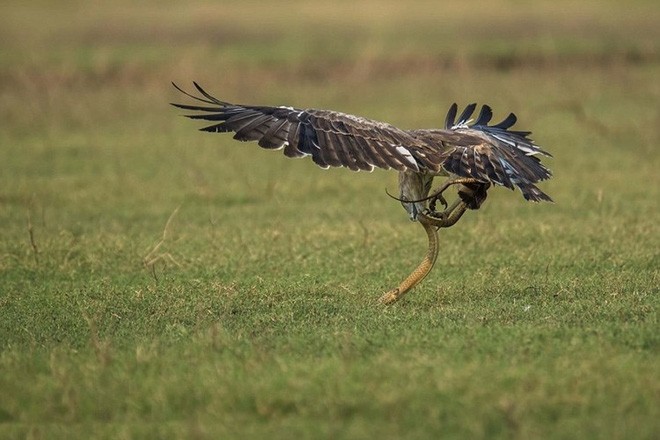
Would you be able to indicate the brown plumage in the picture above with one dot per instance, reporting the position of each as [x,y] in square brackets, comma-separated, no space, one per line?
[476,155]
[490,154]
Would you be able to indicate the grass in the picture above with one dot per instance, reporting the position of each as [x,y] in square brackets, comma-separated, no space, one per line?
[256,314]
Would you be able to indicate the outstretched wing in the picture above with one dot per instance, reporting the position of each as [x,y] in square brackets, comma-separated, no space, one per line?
[490,153]
[330,138]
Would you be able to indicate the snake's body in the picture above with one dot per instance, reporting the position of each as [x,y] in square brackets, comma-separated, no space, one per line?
[422,270]
[431,226]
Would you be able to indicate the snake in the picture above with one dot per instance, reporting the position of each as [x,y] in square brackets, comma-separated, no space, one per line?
[431,226]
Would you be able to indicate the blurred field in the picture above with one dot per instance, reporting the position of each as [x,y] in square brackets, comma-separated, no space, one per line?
[158,282]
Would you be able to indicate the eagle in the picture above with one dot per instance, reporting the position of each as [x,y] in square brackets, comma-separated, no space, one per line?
[472,155]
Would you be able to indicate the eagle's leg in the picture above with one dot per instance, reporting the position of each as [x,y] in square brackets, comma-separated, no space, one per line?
[424,267]
[437,194]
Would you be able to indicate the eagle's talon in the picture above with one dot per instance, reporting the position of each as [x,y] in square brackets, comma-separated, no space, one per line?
[435,215]
[446,218]
[438,197]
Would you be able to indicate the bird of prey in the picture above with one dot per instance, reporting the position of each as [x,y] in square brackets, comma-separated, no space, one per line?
[471,153]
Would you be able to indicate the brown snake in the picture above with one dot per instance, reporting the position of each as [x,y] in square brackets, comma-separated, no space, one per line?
[431,226]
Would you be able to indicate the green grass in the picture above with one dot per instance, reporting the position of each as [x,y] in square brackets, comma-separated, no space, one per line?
[258,316]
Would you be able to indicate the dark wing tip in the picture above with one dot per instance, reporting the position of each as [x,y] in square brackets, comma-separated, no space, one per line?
[206,94]
[507,122]
[533,194]
[485,115]
[469,109]
[176,86]
[207,97]
[451,116]
[195,107]
[543,197]
[217,128]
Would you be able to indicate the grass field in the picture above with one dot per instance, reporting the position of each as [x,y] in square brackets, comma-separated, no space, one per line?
[158,282]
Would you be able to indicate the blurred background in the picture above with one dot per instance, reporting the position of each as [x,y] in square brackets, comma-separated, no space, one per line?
[134,248]
[88,137]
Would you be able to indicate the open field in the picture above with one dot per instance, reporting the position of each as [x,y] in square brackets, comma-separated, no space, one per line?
[158,282]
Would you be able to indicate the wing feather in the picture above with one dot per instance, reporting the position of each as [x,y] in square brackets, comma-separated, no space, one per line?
[276,135]
[485,115]
[508,122]
[451,116]
[465,116]
[491,154]
[378,157]
[331,138]
[254,128]
[328,151]
[291,148]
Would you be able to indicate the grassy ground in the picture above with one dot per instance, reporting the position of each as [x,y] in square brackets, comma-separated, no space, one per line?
[157,282]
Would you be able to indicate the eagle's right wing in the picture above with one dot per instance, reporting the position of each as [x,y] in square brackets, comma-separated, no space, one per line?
[331,138]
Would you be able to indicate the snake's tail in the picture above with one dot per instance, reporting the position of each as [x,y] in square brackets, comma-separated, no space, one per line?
[421,271]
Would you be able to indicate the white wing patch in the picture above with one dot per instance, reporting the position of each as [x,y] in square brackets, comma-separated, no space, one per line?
[510,171]
[535,149]
[461,124]
[406,153]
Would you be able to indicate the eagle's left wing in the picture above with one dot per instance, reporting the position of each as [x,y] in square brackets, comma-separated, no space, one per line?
[489,153]
[331,138]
